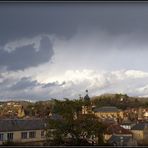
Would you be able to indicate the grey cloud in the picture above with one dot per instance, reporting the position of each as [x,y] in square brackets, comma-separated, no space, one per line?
[53,84]
[27,56]
[124,28]
[24,20]
[98,84]
[49,85]
[23,84]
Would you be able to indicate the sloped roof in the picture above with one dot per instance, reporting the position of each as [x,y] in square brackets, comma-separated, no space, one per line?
[127,122]
[106,109]
[21,124]
[117,129]
[140,126]
[56,117]
[117,139]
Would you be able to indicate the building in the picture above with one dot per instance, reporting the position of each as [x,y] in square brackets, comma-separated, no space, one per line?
[127,124]
[118,140]
[108,112]
[23,131]
[140,132]
[86,109]
[11,110]
[21,112]
[145,115]
[140,113]
[116,130]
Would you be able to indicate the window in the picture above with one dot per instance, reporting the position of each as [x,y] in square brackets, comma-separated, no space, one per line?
[42,134]
[1,136]
[9,136]
[24,135]
[32,134]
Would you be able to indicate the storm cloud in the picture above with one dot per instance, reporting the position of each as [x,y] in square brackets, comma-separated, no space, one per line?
[26,56]
[58,50]
[63,19]
[23,84]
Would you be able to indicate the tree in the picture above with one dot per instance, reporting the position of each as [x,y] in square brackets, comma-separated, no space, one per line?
[29,110]
[74,126]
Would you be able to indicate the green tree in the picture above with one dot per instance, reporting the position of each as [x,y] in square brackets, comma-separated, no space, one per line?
[73,123]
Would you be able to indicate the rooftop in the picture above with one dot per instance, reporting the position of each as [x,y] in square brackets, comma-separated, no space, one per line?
[117,129]
[56,117]
[21,124]
[118,139]
[106,109]
[140,126]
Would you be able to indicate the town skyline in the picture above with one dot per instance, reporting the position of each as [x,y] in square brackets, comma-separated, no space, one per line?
[59,50]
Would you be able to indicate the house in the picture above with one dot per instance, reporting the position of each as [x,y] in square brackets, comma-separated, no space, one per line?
[127,125]
[12,109]
[117,130]
[108,112]
[140,132]
[118,140]
[145,115]
[22,131]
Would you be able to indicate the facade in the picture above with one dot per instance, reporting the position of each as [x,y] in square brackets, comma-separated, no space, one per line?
[116,130]
[22,131]
[127,125]
[118,140]
[86,109]
[12,110]
[145,115]
[108,112]
[140,132]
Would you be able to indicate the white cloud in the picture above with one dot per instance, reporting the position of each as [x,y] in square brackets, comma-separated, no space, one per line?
[136,74]
[13,45]
[77,81]
[96,61]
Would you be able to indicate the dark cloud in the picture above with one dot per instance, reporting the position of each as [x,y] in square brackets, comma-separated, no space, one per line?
[18,89]
[23,84]
[53,84]
[27,56]
[49,85]
[20,21]
[29,19]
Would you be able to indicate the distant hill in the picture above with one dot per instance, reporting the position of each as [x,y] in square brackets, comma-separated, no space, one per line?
[111,95]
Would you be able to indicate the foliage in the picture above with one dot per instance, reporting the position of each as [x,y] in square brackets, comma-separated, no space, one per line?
[122,101]
[11,143]
[73,123]
[40,109]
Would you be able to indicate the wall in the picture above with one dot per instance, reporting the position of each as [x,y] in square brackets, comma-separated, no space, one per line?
[138,134]
[17,136]
[106,114]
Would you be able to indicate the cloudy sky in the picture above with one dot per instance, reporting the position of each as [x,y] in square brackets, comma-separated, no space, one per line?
[58,50]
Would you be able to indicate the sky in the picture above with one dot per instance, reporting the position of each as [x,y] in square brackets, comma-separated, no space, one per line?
[60,49]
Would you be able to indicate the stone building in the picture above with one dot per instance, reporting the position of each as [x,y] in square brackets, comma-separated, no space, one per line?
[25,131]
[140,132]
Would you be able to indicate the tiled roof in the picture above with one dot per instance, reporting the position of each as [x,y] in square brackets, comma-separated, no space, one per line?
[56,117]
[140,126]
[106,109]
[21,124]
[117,129]
[117,139]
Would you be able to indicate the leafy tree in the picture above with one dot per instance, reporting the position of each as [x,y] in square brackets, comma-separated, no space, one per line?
[29,110]
[74,125]
[146,104]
